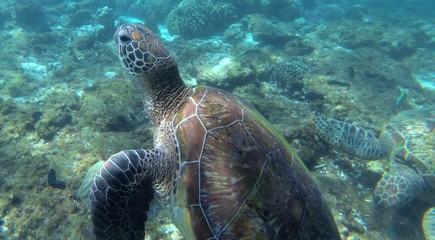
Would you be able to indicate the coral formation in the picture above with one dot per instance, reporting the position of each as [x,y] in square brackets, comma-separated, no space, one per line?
[289,71]
[30,15]
[112,105]
[289,75]
[196,19]
[269,31]
[153,12]
[35,70]
[51,122]
[105,17]
[235,33]
[286,10]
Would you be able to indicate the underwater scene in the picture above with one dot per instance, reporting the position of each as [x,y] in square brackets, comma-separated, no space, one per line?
[350,85]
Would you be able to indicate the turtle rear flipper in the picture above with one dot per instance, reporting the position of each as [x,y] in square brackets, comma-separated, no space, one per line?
[120,195]
[352,139]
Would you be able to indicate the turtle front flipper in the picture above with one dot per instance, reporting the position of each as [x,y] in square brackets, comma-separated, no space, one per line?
[352,139]
[121,193]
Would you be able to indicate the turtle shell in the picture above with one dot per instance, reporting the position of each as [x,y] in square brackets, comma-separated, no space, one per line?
[414,140]
[237,178]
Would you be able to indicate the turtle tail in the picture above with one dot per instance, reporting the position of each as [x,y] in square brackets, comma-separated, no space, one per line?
[120,196]
[352,139]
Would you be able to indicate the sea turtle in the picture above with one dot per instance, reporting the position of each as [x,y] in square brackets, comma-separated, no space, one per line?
[217,164]
[409,142]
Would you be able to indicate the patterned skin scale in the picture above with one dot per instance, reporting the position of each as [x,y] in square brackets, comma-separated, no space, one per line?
[409,142]
[217,164]
[352,139]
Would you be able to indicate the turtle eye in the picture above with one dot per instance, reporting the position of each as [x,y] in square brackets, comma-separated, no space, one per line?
[124,38]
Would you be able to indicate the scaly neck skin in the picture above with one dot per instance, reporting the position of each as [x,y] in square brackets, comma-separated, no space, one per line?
[162,92]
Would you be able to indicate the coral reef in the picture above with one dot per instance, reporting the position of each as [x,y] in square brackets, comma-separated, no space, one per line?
[118,114]
[425,36]
[268,30]
[30,15]
[286,10]
[4,16]
[196,19]
[154,12]
[35,70]
[104,16]
[227,71]
[289,76]
[235,33]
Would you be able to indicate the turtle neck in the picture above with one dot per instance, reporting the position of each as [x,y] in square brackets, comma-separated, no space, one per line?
[162,90]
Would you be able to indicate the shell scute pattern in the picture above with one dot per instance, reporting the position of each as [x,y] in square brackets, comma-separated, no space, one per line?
[189,175]
[219,110]
[226,172]
[228,179]
[212,177]
[194,150]
[417,143]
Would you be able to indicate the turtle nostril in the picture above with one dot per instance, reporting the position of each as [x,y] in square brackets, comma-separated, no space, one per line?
[124,38]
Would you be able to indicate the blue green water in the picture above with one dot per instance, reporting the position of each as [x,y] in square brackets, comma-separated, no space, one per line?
[66,103]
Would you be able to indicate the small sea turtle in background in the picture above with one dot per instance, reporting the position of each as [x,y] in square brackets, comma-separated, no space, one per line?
[409,142]
[217,164]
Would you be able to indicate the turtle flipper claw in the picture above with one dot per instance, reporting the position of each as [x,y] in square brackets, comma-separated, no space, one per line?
[120,196]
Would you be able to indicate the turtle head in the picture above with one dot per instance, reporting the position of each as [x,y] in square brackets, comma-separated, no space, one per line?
[156,73]
[140,51]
